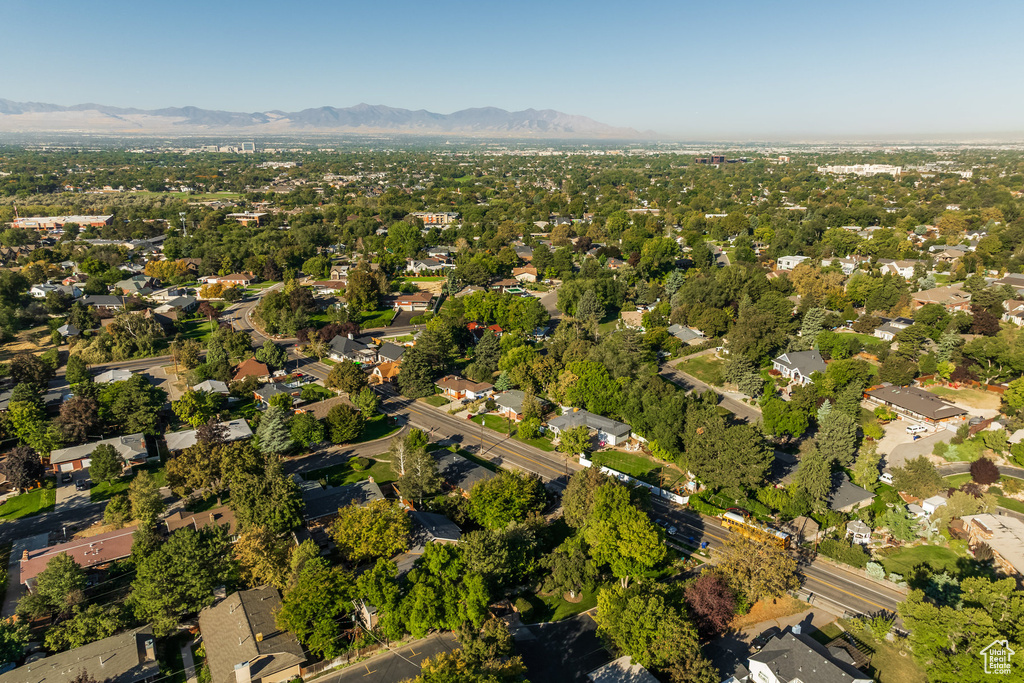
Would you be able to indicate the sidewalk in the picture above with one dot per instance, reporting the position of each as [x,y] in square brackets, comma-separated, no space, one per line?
[188,663]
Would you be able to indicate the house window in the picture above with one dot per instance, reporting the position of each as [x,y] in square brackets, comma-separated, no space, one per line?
[760,674]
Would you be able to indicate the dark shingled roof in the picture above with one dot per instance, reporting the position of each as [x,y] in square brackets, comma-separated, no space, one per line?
[123,656]
[325,501]
[460,472]
[917,401]
[800,657]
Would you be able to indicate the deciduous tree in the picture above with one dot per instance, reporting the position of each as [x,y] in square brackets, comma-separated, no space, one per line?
[378,529]
[758,570]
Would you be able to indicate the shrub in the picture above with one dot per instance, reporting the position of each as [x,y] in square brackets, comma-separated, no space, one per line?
[995,490]
[875,571]
[704,507]
[524,607]
[940,449]
[1013,486]
[843,551]
[359,464]
[873,430]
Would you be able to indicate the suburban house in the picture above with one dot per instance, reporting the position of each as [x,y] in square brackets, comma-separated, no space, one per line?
[951,297]
[390,353]
[185,304]
[457,387]
[252,368]
[126,657]
[221,516]
[246,217]
[526,274]
[687,335]
[114,375]
[427,265]
[339,271]
[799,365]
[243,643]
[848,265]
[434,528]
[950,255]
[608,431]
[93,552]
[846,496]
[794,657]
[385,373]
[891,328]
[233,280]
[234,430]
[478,329]
[272,389]
[439,252]
[510,404]
[321,503]
[904,268]
[790,262]
[137,284]
[68,330]
[621,670]
[102,301]
[524,253]
[1004,535]
[417,301]
[460,473]
[131,447]
[345,347]
[1014,280]
[40,291]
[329,286]
[1014,312]
[930,505]
[212,386]
[169,294]
[916,404]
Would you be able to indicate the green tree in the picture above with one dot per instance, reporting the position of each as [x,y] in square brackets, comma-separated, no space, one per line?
[272,355]
[732,458]
[345,423]
[14,636]
[416,379]
[419,477]
[178,577]
[578,499]
[107,463]
[87,625]
[918,477]
[197,407]
[837,438]
[814,476]
[57,590]
[314,608]
[367,401]
[506,498]
[379,529]
[76,371]
[782,418]
[574,441]
[640,622]
[264,496]
[865,467]
[307,430]
[118,512]
[621,536]
[571,570]
[144,496]
[273,434]
[897,521]
[348,377]
[262,557]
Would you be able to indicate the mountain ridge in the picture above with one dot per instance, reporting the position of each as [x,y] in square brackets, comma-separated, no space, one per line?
[361,118]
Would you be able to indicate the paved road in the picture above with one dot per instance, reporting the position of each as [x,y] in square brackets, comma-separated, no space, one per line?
[398,665]
[847,589]
[688,383]
[964,467]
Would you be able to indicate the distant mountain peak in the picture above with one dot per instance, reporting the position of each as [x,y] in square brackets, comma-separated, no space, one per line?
[361,118]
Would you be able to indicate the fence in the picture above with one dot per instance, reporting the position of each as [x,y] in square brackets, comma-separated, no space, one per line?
[625,478]
[317,668]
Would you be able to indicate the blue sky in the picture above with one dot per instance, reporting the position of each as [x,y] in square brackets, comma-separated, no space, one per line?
[698,70]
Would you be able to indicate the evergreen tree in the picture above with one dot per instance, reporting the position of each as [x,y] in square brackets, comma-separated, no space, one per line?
[417,376]
[273,433]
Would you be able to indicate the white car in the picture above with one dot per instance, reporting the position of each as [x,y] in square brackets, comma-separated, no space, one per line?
[885,478]
[916,429]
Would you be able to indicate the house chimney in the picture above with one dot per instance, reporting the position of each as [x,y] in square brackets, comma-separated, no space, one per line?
[242,673]
[351,337]
[150,650]
[24,555]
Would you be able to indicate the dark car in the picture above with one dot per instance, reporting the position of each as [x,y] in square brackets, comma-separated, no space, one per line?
[763,639]
[82,484]
[65,478]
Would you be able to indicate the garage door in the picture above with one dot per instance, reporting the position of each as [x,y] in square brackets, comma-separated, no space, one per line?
[67,467]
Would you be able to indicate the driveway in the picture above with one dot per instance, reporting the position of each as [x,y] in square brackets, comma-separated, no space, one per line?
[905,451]
[70,498]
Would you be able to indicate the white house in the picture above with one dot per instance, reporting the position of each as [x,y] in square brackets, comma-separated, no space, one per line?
[1014,312]
[794,657]
[799,365]
[608,431]
[905,269]
[932,504]
[891,328]
[790,262]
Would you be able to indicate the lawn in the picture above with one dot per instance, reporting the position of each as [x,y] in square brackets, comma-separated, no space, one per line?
[942,559]
[208,503]
[968,397]
[339,475]
[888,665]
[1011,504]
[633,464]
[377,428]
[376,319]
[108,489]
[500,424]
[420,279]
[553,608]
[199,329]
[957,480]
[437,400]
[243,407]
[864,338]
[707,369]
[31,503]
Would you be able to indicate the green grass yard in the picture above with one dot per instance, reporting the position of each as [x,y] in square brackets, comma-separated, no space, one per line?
[199,330]
[1011,504]
[30,503]
[339,475]
[109,489]
[376,319]
[553,608]
[437,400]
[500,424]
[633,464]
[377,427]
[942,559]
[957,480]
[707,369]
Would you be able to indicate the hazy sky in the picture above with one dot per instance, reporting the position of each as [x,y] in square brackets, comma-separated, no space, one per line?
[714,68]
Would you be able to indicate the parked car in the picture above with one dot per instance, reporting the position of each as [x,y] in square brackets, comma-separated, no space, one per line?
[762,640]
[672,531]
[662,523]
[82,484]
[886,478]
[916,429]
[65,478]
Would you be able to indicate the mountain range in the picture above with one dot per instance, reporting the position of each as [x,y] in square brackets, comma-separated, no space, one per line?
[362,118]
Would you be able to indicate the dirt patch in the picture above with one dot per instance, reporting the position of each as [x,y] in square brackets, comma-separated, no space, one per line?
[973,398]
[769,610]
[35,341]
[432,287]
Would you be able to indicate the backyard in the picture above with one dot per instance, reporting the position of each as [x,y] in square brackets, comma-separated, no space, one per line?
[969,397]
[888,664]
[377,427]
[30,503]
[377,319]
[636,465]
[339,475]
[941,559]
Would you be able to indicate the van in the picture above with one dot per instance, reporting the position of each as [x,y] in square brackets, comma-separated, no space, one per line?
[916,429]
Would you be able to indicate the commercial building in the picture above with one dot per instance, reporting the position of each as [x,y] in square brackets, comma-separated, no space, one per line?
[58,222]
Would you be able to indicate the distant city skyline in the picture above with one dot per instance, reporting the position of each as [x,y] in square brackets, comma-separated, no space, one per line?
[728,70]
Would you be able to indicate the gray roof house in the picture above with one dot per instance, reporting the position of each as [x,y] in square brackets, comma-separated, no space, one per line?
[793,657]
[131,447]
[114,375]
[243,642]
[126,657]
[685,334]
[511,403]
[68,330]
[324,501]
[347,348]
[799,365]
[212,386]
[102,301]
[236,430]
[389,352]
[608,430]
[847,496]
[435,527]
[460,473]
